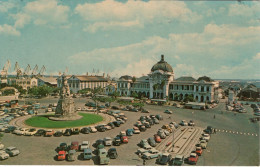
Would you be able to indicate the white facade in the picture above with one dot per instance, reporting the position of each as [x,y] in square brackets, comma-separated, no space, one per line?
[26,83]
[160,84]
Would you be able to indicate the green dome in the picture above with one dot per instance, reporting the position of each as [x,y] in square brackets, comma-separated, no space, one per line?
[162,65]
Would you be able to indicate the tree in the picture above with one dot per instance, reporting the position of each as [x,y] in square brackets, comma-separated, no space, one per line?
[138,105]
[115,94]
[189,98]
[134,94]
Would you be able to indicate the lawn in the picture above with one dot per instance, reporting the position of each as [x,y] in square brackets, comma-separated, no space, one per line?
[44,122]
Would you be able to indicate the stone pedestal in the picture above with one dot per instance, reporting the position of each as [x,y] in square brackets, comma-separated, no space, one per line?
[65,110]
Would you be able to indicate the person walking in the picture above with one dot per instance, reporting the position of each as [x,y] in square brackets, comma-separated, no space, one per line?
[214,116]
[144,162]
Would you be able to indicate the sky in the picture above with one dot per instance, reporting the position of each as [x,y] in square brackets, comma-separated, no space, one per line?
[197,38]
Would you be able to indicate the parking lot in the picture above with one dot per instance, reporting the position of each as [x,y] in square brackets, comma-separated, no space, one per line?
[224,148]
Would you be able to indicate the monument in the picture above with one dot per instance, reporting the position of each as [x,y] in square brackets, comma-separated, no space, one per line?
[65,110]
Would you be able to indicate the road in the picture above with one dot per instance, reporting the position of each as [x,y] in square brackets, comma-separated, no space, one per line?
[224,148]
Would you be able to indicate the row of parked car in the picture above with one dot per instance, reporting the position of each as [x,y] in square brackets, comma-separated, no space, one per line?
[8,152]
[120,119]
[68,152]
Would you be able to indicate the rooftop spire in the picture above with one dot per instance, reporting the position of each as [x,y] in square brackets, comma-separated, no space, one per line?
[162,57]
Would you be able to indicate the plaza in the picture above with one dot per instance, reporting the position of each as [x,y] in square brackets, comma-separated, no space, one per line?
[235,143]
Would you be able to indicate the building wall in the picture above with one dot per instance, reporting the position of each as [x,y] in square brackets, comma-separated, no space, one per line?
[26,83]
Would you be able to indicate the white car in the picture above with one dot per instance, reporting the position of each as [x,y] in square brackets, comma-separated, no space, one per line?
[136,130]
[12,151]
[203,144]
[3,155]
[84,109]
[93,129]
[122,133]
[1,146]
[141,151]
[30,132]
[166,132]
[206,136]
[108,127]
[107,141]
[84,145]
[20,131]
[79,109]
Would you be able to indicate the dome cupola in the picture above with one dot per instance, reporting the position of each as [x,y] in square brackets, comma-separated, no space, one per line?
[162,65]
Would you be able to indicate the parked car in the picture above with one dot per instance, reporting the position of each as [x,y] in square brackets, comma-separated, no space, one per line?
[159,117]
[116,123]
[63,147]
[71,155]
[129,132]
[58,133]
[183,123]
[178,160]
[209,130]
[40,132]
[151,141]
[61,155]
[75,131]
[156,121]
[191,123]
[145,111]
[136,130]
[107,141]
[20,131]
[117,141]
[157,138]
[124,139]
[49,133]
[12,151]
[30,132]
[142,128]
[87,153]
[74,146]
[206,136]
[151,154]
[99,142]
[193,158]
[198,151]
[168,112]
[112,153]
[103,157]
[101,128]
[203,144]
[164,158]
[161,134]
[93,129]
[84,145]
[111,125]
[144,144]
[3,155]
[68,132]
[10,129]
[85,130]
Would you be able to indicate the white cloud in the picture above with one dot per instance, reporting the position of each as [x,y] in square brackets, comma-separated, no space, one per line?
[5,6]
[244,10]
[188,53]
[112,25]
[111,11]
[7,29]
[42,12]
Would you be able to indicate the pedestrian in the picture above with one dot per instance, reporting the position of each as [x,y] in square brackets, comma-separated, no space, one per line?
[215,131]
[144,162]
[214,116]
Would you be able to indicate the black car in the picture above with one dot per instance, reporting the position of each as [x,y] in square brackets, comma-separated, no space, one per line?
[151,141]
[151,121]
[85,130]
[147,125]
[142,118]
[142,128]
[117,141]
[111,125]
[63,147]
[209,130]
[159,117]
[115,107]
[99,142]
[10,129]
[68,132]
[101,128]
[40,132]
[112,153]
[116,123]
[75,131]
[58,134]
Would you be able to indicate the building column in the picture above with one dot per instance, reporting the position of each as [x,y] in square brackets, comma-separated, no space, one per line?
[151,90]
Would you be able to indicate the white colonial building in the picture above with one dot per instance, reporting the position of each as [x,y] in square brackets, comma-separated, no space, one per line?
[160,84]
[79,82]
